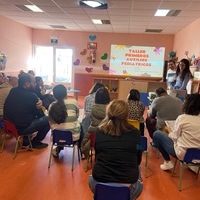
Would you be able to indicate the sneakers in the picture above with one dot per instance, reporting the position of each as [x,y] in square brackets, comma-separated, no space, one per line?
[167,165]
[39,145]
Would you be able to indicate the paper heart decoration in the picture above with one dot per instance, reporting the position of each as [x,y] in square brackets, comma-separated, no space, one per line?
[92,37]
[77,62]
[105,67]
[89,70]
[84,52]
[105,56]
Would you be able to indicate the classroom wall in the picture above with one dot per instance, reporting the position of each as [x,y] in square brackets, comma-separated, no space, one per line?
[188,39]
[79,41]
[16,43]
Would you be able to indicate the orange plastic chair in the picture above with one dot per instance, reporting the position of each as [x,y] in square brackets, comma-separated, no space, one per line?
[9,128]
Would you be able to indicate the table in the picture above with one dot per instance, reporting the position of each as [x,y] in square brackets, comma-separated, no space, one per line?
[74,91]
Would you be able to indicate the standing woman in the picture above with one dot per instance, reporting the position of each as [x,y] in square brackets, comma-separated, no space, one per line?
[136,108]
[183,75]
[118,150]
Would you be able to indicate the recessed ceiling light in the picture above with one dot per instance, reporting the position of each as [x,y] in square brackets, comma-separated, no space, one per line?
[92,4]
[161,12]
[97,4]
[97,21]
[34,8]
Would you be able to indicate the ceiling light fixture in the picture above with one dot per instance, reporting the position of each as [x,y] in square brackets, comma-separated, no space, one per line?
[34,8]
[161,12]
[97,4]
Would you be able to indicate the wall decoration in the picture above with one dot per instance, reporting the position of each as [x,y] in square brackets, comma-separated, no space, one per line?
[105,67]
[89,59]
[172,56]
[77,62]
[93,56]
[84,52]
[3,60]
[105,56]
[92,37]
[89,70]
[92,45]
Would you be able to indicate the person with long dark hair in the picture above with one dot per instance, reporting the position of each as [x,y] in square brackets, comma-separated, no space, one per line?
[136,108]
[184,135]
[183,74]
[63,114]
[102,99]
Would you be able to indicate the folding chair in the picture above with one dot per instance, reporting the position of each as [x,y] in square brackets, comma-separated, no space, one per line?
[63,138]
[92,141]
[111,191]
[9,128]
[192,158]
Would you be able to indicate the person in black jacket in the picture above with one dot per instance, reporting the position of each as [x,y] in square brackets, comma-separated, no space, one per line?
[23,108]
[118,150]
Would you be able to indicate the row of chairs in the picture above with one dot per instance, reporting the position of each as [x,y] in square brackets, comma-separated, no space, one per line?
[64,139]
[60,138]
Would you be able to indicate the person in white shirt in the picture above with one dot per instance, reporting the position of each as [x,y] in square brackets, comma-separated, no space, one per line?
[171,74]
[185,135]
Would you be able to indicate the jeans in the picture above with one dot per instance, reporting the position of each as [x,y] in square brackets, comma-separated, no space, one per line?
[164,144]
[40,125]
[135,189]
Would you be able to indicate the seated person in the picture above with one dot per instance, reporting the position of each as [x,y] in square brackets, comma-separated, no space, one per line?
[102,98]
[136,108]
[63,114]
[164,107]
[40,91]
[185,135]
[118,150]
[5,88]
[13,80]
[23,108]
[31,72]
[88,103]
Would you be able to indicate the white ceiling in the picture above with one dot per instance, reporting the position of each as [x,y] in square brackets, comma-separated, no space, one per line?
[126,16]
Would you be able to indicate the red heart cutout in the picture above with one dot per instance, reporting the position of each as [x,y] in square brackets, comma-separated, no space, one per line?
[89,70]
[84,52]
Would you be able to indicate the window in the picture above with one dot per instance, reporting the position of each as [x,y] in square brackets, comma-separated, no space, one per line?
[53,64]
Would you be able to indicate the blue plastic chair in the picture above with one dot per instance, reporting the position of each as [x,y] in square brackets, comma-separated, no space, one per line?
[191,157]
[111,191]
[63,138]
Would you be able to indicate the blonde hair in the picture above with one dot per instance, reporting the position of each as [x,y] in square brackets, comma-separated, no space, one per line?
[116,121]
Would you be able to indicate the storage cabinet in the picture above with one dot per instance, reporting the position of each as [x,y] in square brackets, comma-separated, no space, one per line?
[111,84]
